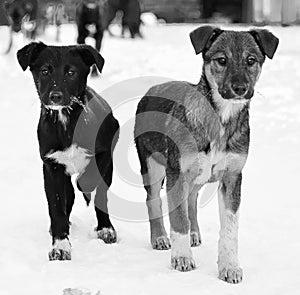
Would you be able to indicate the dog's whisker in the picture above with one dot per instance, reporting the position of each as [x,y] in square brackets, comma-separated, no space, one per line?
[260,94]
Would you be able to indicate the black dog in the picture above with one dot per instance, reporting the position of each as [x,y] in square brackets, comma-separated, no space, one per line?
[22,15]
[132,18]
[77,134]
[88,20]
[131,10]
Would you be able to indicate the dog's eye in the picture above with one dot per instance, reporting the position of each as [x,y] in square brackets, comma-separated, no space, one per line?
[71,73]
[222,61]
[251,61]
[45,72]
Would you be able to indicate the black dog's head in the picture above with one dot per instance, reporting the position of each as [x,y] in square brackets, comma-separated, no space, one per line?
[60,73]
[16,11]
[91,4]
[90,11]
[233,60]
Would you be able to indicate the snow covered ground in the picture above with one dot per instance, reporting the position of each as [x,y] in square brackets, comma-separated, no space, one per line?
[270,221]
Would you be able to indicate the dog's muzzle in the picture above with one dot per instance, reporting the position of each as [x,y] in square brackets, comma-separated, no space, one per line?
[237,91]
[56,97]
[240,89]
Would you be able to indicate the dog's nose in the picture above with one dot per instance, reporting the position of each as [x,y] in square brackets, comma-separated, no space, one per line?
[239,88]
[56,96]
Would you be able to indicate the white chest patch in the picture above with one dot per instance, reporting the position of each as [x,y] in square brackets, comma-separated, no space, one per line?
[62,118]
[228,108]
[60,115]
[75,159]
[215,163]
[212,165]
[208,163]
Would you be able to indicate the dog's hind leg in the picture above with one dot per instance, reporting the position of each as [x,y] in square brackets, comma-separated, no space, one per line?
[229,201]
[178,192]
[131,31]
[105,229]
[192,208]
[153,174]
[98,39]
[60,199]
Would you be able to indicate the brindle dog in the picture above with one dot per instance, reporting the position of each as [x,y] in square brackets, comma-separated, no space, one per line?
[195,134]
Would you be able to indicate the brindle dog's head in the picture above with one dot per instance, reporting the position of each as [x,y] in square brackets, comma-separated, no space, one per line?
[60,72]
[91,7]
[232,59]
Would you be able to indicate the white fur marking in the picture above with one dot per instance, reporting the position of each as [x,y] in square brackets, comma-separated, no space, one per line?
[156,171]
[214,162]
[107,235]
[54,107]
[74,158]
[205,168]
[61,117]
[64,245]
[180,245]
[228,241]
[91,5]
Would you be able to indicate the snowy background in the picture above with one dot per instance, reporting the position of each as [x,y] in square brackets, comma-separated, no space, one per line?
[269,240]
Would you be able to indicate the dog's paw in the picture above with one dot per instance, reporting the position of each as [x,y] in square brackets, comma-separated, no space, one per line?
[232,275]
[183,263]
[108,235]
[61,250]
[195,239]
[58,254]
[161,243]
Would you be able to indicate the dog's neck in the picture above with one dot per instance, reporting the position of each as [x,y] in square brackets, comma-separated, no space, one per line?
[204,87]
[226,109]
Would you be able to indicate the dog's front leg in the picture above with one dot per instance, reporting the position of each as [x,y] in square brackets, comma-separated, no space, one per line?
[60,197]
[98,39]
[178,191]
[105,229]
[229,201]
[195,231]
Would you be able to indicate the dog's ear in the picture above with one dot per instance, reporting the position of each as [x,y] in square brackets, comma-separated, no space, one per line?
[203,37]
[266,41]
[91,56]
[28,54]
